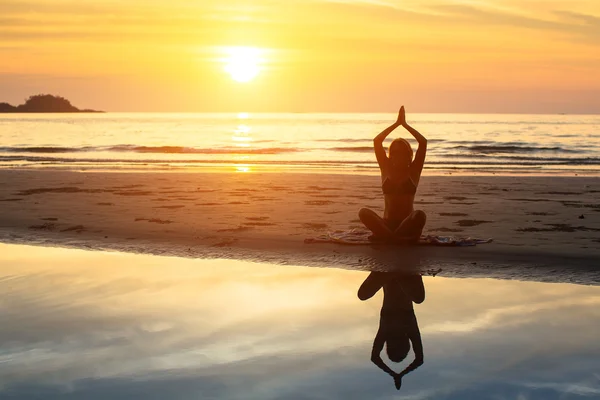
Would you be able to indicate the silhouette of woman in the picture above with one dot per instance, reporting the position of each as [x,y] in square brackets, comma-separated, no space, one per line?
[400,175]
[397,324]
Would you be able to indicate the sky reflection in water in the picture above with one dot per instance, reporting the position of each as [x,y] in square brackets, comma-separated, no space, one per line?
[90,325]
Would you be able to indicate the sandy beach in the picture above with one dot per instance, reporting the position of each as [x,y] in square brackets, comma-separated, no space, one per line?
[538,222]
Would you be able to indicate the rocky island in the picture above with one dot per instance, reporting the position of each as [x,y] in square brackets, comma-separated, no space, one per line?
[44,103]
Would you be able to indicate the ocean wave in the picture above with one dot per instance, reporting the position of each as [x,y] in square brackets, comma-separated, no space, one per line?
[354,149]
[370,140]
[475,148]
[451,148]
[516,161]
[343,140]
[45,149]
[193,150]
[150,149]
[509,148]
[505,122]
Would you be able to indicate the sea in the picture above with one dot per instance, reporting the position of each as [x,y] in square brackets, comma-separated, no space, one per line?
[329,143]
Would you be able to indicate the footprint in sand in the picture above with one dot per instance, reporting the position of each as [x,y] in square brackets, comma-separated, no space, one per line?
[67,189]
[225,243]
[446,230]
[540,213]
[457,198]
[277,188]
[238,229]
[154,220]
[321,188]
[171,191]
[133,193]
[318,202]
[559,228]
[75,228]
[329,196]
[574,204]
[471,222]
[315,226]
[127,187]
[159,221]
[531,200]
[362,197]
[562,193]
[262,198]
[48,226]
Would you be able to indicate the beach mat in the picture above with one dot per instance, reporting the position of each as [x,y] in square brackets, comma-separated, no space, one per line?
[361,237]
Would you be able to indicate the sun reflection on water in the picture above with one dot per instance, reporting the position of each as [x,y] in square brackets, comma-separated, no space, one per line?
[242,168]
[242,138]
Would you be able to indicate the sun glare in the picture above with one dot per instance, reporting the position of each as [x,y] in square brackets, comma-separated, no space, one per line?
[243,63]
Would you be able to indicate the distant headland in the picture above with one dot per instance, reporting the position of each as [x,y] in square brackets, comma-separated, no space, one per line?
[44,103]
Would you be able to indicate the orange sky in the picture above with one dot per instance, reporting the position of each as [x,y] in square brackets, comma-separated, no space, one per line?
[528,56]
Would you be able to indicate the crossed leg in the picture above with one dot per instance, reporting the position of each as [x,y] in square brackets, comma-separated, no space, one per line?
[410,228]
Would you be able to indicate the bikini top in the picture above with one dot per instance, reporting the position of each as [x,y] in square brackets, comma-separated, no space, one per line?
[405,187]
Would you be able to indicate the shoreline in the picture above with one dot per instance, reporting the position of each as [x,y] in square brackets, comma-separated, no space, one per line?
[266,168]
[495,262]
[266,217]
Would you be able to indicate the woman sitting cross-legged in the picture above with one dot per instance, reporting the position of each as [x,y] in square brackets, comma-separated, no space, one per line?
[400,175]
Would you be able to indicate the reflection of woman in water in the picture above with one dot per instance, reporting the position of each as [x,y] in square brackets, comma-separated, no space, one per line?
[398,323]
[400,175]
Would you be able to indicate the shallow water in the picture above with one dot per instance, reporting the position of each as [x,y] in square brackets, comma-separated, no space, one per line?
[341,143]
[93,325]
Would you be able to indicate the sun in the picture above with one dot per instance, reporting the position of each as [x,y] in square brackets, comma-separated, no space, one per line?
[243,63]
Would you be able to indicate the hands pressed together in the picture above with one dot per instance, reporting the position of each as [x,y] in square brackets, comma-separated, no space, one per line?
[401,117]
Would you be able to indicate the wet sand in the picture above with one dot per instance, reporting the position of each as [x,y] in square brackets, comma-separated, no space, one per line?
[534,221]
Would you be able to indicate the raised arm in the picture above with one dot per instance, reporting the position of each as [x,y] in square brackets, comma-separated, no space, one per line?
[419,159]
[378,144]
